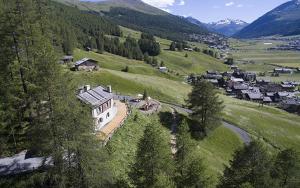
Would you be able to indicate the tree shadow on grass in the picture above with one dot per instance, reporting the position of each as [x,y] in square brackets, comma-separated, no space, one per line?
[196,130]
[166,119]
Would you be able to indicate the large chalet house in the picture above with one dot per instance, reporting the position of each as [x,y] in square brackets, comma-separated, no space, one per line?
[101,102]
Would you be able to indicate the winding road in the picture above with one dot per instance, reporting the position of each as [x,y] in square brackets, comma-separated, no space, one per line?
[244,136]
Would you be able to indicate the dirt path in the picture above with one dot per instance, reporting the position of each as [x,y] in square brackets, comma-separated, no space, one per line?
[173,132]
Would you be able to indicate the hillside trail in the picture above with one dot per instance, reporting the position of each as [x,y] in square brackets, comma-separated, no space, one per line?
[173,132]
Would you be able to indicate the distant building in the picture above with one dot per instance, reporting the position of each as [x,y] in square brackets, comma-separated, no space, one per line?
[163,69]
[283,71]
[86,64]
[291,105]
[101,103]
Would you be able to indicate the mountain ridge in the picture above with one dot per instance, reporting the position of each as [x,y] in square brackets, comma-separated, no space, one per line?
[227,27]
[286,15]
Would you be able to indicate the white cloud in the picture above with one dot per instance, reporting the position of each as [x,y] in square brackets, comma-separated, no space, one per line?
[240,6]
[229,4]
[163,4]
[181,3]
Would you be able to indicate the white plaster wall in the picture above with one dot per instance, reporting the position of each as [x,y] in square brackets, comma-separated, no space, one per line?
[112,113]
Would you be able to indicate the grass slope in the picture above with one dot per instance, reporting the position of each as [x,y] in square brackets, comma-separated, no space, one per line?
[217,150]
[274,126]
[118,63]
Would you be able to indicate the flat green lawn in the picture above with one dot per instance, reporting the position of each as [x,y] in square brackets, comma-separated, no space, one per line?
[274,126]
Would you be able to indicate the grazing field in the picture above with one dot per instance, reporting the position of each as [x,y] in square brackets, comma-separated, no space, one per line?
[276,127]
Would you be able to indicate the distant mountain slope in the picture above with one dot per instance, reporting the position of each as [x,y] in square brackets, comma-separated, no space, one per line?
[106,5]
[227,27]
[140,16]
[195,21]
[283,20]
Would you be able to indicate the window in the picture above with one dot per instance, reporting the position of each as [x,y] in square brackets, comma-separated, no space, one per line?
[107,115]
[100,120]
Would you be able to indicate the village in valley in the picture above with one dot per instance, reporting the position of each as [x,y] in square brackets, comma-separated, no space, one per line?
[245,85]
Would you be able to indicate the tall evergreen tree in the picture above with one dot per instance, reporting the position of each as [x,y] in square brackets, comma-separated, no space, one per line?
[191,171]
[286,170]
[250,166]
[153,158]
[149,45]
[206,106]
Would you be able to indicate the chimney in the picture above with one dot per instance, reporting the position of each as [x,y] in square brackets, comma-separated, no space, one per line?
[86,88]
[109,90]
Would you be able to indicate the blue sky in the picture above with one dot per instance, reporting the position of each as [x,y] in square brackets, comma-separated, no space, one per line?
[214,10]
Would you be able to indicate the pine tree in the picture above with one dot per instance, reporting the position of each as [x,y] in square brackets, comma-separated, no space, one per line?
[145,95]
[206,106]
[153,158]
[250,166]
[191,170]
[286,169]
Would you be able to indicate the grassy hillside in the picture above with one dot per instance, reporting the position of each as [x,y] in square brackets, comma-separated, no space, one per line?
[273,126]
[196,62]
[146,17]
[118,63]
[105,6]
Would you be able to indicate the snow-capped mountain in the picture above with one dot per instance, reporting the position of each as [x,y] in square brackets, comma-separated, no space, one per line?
[227,26]
[228,21]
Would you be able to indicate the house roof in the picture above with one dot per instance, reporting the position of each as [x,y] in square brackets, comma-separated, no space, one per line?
[95,97]
[20,164]
[283,94]
[84,60]
[240,87]
[267,99]
[254,95]
[237,79]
